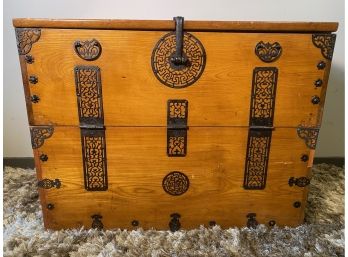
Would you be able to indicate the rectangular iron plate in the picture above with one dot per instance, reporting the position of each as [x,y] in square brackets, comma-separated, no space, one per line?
[177,112]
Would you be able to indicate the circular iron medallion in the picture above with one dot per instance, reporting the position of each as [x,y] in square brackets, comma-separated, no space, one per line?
[178,76]
[175,183]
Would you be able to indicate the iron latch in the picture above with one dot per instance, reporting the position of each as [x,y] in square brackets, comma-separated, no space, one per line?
[177,112]
[179,58]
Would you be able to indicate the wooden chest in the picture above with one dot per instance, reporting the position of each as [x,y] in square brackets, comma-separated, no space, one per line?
[173,124]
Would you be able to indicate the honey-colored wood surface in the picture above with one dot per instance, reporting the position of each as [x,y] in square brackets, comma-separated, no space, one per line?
[137,163]
[132,95]
[169,25]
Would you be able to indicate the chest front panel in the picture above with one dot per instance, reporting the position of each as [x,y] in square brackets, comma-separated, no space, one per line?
[154,128]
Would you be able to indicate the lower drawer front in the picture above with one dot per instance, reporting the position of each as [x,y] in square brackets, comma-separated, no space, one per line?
[137,163]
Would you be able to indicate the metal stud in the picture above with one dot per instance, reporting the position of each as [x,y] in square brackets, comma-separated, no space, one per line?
[304,157]
[321,65]
[315,99]
[297,204]
[33,79]
[44,157]
[318,83]
[35,99]
[135,223]
[271,223]
[29,59]
[50,206]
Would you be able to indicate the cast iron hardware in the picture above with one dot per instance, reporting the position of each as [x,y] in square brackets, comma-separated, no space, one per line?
[309,135]
[88,50]
[135,223]
[318,83]
[174,223]
[49,183]
[326,43]
[263,94]
[89,96]
[39,134]
[260,126]
[33,79]
[178,59]
[94,159]
[252,222]
[50,206]
[297,204]
[321,65]
[96,221]
[300,182]
[315,99]
[271,223]
[258,147]
[43,157]
[268,52]
[304,158]
[212,223]
[177,114]
[29,59]
[26,38]
[35,99]
[175,183]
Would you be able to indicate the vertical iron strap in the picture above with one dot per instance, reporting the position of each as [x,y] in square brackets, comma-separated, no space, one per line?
[94,159]
[91,116]
[262,107]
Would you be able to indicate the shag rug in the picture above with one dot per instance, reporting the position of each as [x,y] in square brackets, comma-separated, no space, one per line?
[322,235]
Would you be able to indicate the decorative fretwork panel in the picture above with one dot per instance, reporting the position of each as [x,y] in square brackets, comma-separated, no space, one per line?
[259,142]
[94,159]
[178,76]
[177,127]
[263,95]
[326,43]
[175,183]
[309,135]
[26,37]
[39,134]
[89,95]
[268,52]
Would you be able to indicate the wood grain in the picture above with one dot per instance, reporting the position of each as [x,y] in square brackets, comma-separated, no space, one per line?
[170,25]
[137,163]
[133,96]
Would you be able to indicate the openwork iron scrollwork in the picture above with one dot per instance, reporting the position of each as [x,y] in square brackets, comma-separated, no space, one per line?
[300,182]
[175,183]
[177,113]
[26,38]
[88,50]
[263,96]
[49,183]
[94,159]
[89,95]
[268,52]
[259,143]
[326,43]
[39,134]
[178,75]
[309,135]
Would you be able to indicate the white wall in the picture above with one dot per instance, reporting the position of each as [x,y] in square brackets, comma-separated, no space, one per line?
[16,132]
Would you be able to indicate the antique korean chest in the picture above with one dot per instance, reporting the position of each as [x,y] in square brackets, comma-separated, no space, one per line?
[173,124]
